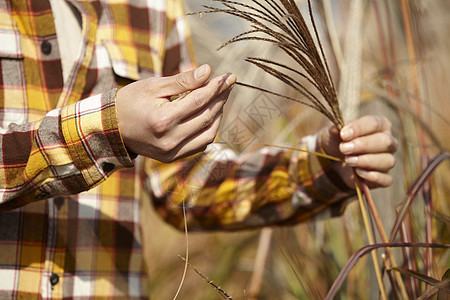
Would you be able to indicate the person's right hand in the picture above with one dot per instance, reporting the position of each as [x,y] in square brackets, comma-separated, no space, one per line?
[154,126]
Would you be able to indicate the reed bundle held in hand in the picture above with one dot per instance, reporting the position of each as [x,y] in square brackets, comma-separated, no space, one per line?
[281,23]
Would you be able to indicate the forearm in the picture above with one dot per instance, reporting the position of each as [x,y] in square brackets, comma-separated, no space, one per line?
[224,191]
[70,150]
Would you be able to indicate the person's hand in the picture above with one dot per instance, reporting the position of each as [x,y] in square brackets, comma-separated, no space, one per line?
[367,145]
[155,126]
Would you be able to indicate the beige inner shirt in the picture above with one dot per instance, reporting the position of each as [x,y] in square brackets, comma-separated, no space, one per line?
[68,31]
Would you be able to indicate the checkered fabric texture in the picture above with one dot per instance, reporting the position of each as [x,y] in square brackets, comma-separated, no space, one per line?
[69,193]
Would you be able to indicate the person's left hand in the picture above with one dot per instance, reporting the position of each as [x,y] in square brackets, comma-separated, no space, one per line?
[367,144]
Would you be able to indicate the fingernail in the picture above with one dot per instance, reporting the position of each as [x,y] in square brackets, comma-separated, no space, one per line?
[351,160]
[362,173]
[346,133]
[200,72]
[231,79]
[347,147]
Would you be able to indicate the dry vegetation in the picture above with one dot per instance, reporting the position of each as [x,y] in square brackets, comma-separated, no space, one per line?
[403,68]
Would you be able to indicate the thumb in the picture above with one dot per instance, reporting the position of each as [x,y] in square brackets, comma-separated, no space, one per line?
[186,81]
[329,140]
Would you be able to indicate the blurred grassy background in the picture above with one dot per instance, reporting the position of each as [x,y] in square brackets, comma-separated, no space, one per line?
[304,260]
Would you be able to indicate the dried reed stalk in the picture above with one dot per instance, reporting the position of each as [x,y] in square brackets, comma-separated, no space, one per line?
[177,293]
[407,20]
[350,83]
[260,262]
[280,23]
[221,292]
[370,248]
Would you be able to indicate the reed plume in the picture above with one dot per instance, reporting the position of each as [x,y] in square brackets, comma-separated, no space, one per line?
[280,23]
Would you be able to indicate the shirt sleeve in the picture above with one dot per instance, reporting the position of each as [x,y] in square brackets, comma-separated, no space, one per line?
[224,191]
[69,151]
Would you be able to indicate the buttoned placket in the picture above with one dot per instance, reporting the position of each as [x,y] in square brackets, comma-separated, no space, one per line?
[71,90]
[52,234]
[68,31]
[52,279]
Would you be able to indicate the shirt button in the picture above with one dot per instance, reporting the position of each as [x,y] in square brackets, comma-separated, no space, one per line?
[46,47]
[54,279]
[108,167]
[59,201]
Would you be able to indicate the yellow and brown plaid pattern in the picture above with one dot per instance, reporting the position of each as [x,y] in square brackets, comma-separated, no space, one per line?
[69,194]
[224,191]
[54,145]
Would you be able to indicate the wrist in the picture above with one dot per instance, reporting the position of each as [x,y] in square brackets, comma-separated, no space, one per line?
[131,154]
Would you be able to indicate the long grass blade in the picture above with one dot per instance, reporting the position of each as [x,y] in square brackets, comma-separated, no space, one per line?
[443,285]
[442,295]
[428,294]
[415,189]
[368,249]
[406,108]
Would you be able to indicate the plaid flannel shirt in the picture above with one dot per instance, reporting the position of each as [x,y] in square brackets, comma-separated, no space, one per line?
[69,193]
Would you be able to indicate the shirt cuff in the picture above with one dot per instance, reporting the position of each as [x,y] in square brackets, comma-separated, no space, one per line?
[91,132]
[325,184]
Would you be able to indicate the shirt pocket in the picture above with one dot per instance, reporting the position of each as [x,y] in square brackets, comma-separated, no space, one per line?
[124,63]
[13,98]
[129,62]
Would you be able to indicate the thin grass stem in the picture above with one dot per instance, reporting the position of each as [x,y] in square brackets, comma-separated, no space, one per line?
[368,249]
[370,237]
[186,254]
[260,262]
[428,257]
[221,292]
[303,150]
[408,255]
[285,67]
[406,13]
[389,273]
[383,235]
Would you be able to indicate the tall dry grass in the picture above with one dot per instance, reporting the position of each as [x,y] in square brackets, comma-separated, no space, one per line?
[411,90]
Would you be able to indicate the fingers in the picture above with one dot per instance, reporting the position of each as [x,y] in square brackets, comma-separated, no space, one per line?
[368,145]
[195,132]
[197,142]
[152,125]
[374,143]
[200,141]
[204,101]
[204,117]
[375,179]
[184,82]
[200,98]
[382,162]
[365,126]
